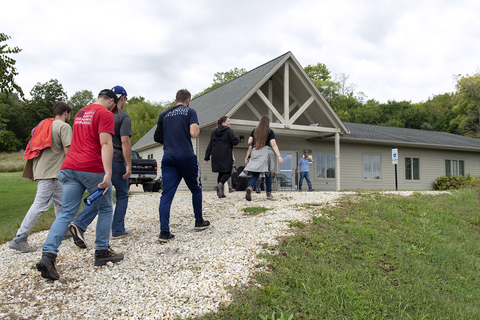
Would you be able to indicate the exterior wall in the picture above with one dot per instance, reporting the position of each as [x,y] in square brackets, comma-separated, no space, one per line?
[432,166]
[432,163]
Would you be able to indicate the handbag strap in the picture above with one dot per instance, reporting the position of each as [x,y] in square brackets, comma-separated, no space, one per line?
[166,112]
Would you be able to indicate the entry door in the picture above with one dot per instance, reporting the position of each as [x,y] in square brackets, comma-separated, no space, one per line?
[289,169]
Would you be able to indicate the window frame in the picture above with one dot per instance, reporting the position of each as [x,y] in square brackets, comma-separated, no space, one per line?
[325,172]
[412,173]
[452,169]
[371,168]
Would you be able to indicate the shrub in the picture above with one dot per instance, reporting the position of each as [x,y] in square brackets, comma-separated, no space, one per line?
[455,182]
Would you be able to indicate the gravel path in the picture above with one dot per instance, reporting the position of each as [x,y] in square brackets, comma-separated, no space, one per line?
[186,277]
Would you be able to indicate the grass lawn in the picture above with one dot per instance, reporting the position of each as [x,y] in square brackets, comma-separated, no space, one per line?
[372,256]
[16,197]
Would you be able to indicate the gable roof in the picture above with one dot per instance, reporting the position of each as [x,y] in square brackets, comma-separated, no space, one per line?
[221,100]
[409,137]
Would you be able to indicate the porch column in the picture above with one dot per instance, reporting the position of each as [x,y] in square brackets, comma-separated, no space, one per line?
[286,95]
[337,161]
[270,96]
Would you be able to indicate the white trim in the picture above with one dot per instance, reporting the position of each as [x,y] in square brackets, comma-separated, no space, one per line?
[286,93]
[270,106]
[301,110]
[252,108]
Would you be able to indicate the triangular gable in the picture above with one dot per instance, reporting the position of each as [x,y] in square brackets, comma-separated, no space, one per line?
[219,101]
[262,91]
[291,100]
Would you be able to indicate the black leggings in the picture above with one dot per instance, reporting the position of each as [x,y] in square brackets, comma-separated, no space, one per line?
[223,177]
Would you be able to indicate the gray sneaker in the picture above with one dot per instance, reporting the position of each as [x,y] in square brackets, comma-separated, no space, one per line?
[20,243]
[78,237]
[248,194]
[125,233]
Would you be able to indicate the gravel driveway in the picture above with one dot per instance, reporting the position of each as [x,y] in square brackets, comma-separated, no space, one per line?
[186,277]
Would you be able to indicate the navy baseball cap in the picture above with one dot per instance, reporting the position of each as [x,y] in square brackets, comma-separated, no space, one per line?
[119,91]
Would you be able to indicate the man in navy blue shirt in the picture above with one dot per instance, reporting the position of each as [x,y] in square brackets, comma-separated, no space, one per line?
[179,161]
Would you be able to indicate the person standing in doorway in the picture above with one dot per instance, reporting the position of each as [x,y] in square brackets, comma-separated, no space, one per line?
[46,163]
[220,148]
[180,125]
[121,171]
[304,171]
[87,166]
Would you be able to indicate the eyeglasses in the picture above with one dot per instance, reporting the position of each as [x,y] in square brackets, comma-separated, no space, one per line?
[126,98]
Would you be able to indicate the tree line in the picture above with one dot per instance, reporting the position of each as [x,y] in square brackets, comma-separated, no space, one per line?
[455,112]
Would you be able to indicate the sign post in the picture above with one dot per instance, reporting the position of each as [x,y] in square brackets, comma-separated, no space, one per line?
[395,162]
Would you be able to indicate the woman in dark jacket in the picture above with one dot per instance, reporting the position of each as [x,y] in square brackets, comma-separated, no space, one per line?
[220,148]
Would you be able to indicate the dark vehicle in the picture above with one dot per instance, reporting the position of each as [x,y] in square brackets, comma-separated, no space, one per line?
[144,172]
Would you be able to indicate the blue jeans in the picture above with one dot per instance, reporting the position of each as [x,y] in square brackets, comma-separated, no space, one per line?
[268,180]
[74,184]
[305,175]
[88,213]
[173,170]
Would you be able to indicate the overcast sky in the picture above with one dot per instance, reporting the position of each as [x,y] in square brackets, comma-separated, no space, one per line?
[392,50]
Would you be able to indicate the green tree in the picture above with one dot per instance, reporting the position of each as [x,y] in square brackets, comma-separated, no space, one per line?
[370,113]
[11,110]
[220,78]
[7,67]
[43,97]
[467,106]
[8,142]
[322,79]
[439,112]
[144,116]
[318,72]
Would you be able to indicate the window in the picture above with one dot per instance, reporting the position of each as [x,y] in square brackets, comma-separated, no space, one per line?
[150,156]
[412,169]
[455,167]
[325,165]
[371,167]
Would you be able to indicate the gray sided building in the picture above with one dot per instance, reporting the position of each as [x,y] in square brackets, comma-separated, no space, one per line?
[346,155]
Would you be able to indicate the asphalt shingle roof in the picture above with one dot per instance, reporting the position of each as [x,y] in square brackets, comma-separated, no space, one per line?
[218,102]
[383,133]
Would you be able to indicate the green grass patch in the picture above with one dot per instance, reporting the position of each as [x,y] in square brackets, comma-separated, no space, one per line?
[253,211]
[297,224]
[12,162]
[16,197]
[372,256]
[312,205]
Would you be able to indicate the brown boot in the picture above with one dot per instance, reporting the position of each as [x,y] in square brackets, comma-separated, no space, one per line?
[230,189]
[104,256]
[47,267]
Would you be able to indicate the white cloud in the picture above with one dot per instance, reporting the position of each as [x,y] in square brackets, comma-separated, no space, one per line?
[402,50]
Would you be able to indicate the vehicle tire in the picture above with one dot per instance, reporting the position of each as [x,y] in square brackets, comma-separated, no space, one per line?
[157,185]
[148,187]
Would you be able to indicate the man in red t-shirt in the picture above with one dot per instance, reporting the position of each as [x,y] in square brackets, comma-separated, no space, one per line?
[87,166]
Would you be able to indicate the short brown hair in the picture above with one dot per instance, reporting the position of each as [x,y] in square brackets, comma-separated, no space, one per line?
[60,107]
[183,95]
